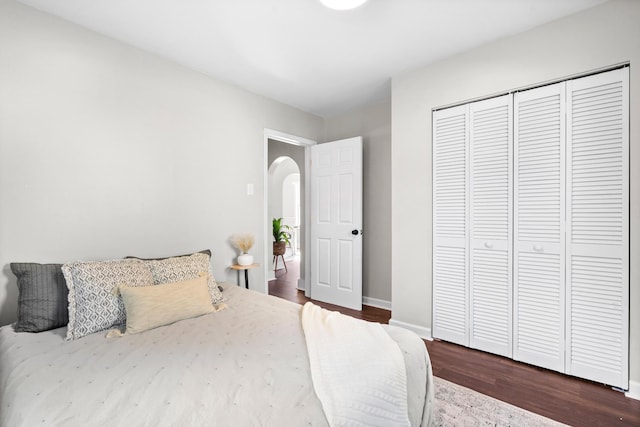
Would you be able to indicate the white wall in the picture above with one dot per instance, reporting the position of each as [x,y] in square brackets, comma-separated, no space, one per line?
[599,37]
[106,151]
[291,199]
[373,123]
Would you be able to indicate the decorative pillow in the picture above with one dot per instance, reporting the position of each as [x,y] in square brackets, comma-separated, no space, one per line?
[42,297]
[176,269]
[148,307]
[93,304]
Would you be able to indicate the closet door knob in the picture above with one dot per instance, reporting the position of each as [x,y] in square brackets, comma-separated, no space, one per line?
[488,245]
[537,248]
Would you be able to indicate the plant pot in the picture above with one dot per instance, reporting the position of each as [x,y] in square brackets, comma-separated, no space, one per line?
[279,248]
[245,259]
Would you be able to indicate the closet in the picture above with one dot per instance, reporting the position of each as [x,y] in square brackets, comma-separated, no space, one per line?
[531,226]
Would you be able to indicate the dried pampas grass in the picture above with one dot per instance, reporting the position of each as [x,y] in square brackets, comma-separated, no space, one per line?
[243,241]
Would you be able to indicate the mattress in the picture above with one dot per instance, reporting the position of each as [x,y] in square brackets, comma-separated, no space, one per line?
[246,365]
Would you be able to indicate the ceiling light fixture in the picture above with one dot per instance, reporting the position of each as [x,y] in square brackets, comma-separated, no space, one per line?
[343,4]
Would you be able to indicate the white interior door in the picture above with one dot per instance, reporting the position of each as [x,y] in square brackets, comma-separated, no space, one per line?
[539,238]
[490,279]
[336,222]
[451,225]
[598,228]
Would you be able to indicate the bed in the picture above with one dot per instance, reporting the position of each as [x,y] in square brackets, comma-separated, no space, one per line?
[244,365]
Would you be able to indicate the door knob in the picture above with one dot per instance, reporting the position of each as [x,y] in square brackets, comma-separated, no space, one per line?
[355,232]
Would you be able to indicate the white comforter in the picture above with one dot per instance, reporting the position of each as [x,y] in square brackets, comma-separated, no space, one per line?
[358,371]
[243,366]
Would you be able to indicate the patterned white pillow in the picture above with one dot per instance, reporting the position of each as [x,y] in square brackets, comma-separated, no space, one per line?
[181,268]
[93,304]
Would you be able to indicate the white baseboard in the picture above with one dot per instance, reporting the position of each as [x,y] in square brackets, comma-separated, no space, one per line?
[378,303]
[634,390]
[424,333]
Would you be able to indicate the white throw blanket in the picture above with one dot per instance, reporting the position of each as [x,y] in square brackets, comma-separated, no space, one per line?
[358,371]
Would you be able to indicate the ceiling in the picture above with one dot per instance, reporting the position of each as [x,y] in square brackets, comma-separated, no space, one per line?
[300,53]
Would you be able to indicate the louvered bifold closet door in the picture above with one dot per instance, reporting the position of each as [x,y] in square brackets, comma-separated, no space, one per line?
[490,142]
[450,225]
[598,227]
[539,252]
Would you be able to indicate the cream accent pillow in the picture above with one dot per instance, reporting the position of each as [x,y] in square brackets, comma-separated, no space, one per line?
[148,307]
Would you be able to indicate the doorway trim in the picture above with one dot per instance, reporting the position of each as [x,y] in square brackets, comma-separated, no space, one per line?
[302,142]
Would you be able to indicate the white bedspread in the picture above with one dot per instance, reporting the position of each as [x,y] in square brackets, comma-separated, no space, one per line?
[358,371]
[246,365]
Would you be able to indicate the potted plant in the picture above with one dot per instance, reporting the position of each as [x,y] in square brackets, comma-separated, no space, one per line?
[244,242]
[281,236]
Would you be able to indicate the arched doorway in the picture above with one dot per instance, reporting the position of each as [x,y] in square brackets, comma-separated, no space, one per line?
[284,201]
[284,196]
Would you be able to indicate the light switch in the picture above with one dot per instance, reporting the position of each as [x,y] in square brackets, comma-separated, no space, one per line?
[249,189]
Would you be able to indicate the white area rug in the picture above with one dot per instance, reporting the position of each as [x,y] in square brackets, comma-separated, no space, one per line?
[461,406]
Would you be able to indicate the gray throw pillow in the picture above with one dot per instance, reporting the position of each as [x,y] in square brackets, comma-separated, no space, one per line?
[42,297]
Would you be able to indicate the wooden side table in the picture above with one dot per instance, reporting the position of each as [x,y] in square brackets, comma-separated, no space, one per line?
[246,272]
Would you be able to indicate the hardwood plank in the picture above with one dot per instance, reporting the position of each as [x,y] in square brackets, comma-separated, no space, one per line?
[570,400]
[286,289]
[563,398]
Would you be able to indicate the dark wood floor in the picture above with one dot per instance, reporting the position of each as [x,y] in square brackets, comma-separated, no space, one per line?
[285,286]
[566,399]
